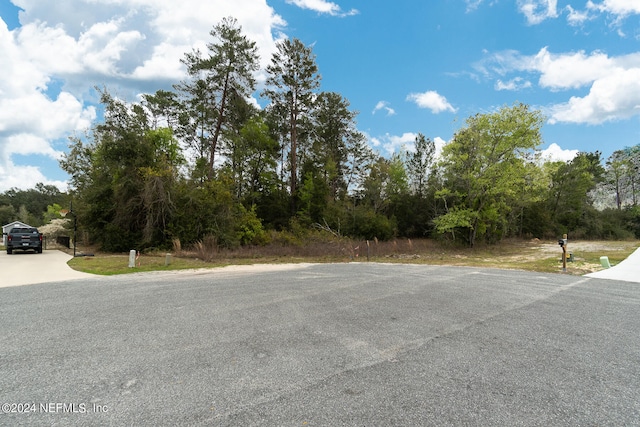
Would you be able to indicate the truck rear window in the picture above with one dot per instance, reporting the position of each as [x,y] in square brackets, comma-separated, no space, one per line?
[24,230]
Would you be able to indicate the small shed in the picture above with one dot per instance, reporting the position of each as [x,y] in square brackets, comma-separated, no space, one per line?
[6,228]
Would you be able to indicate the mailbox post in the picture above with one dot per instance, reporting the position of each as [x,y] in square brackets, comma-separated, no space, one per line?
[563,244]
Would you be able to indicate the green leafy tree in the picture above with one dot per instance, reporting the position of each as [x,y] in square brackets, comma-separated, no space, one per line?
[249,227]
[360,159]
[484,166]
[373,193]
[53,212]
[571,185]
[622,174]
[398,192]
[314,195]
[31,204]
[616,172]
[7,214]
[127,177]
[529,214]
[420,163]
[420,204]
[164,109]
[252,160]
[210,210]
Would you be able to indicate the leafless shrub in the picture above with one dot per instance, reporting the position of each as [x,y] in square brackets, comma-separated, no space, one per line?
[207,248]
[177,247]
[318,245]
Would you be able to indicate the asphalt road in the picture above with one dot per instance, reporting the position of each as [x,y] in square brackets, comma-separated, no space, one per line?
[322,345]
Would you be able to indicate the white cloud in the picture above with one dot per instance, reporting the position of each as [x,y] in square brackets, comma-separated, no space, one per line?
[473,4]
[440,143]
[29,119]
[61,50]
[555,153]
[620,8]
[614,97]
[431,100]
[24,177]
[25,144]
[517,83]
[389,144]
[384,105]
[134,38]
[571,70]
[537,11]
[322,6]
[612,82]
[576,17]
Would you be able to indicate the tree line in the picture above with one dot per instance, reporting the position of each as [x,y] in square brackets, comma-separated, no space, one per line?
[202,161]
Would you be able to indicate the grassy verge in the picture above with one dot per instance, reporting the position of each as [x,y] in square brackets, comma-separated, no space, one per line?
[109,264]
[514,254]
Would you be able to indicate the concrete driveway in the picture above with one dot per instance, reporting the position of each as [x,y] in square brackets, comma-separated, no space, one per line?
[23,268]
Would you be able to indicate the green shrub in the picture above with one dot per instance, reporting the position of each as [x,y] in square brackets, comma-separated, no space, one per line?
[249,230]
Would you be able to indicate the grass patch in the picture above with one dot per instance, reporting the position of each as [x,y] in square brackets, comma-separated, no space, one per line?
[108,264]
[512,254]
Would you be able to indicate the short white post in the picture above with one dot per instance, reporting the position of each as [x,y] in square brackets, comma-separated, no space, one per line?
[167,259]
[132,258]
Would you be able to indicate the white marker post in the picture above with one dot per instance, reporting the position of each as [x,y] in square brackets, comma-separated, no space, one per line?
[132,258]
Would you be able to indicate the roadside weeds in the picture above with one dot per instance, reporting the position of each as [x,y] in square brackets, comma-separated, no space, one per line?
[531,255]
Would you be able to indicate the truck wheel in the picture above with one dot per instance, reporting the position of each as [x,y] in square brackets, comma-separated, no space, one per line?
[9,251]
[39,250]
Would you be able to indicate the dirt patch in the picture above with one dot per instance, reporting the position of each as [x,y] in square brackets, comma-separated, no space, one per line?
[584,246]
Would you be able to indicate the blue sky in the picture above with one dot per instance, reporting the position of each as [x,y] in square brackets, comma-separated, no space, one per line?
[407,67]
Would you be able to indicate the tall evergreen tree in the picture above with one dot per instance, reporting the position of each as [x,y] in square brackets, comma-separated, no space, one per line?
[334,135]
[420,163]
[217,79]
[291,83]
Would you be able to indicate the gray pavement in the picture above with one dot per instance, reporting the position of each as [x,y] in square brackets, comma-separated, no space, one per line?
[322,345]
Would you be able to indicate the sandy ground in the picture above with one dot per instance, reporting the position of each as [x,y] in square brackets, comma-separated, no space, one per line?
[586,246]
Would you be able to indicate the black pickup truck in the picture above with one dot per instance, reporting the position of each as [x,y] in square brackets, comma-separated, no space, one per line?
[24,239]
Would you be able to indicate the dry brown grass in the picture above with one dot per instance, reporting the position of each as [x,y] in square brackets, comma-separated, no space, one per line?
[532,255]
